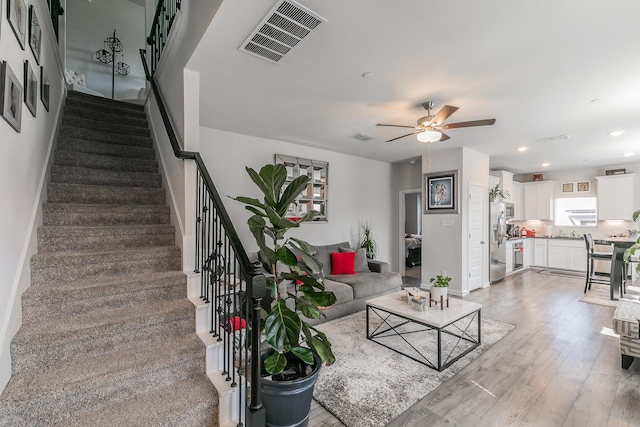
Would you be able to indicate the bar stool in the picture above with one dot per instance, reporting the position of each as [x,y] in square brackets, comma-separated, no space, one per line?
[592,255]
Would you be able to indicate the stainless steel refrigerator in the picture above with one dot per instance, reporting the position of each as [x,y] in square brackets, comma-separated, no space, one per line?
[498,242]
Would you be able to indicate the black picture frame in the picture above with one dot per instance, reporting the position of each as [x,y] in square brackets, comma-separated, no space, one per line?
[35,34]
[441,192]
[30,88]
[45,88]
[10,97]
[17,17]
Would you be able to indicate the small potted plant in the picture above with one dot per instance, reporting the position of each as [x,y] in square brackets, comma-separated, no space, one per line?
[496,192]
[291,365]
[367,242]
[439,286]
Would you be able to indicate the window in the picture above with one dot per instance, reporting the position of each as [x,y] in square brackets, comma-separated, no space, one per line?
[575,212]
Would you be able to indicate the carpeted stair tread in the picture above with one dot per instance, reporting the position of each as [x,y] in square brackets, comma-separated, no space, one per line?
[97,125]
[86,176]
[59,299]
[192,402]
[65,238]
[115,108]
[76,132]
[51,342]
[106,148]
[101,161]
[73,96]
[106,115]
[45,396]
[104,214]
[103,194]
[49,267]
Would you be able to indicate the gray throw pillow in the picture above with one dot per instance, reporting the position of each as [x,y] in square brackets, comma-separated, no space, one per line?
[361,264]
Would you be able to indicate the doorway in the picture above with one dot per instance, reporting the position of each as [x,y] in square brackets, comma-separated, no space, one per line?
[410,232]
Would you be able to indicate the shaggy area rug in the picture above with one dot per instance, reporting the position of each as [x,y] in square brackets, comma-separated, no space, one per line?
[599,295]
[369,384]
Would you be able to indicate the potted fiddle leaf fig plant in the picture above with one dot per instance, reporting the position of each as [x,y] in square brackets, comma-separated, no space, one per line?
[635,248]
[439,287]
[296,349]
[496,192]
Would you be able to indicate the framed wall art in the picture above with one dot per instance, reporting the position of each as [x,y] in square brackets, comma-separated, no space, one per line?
[567,187]
[45,88]
[584,186]
[10,97]
[17,17]
[30,88]
[35,34]
[441,192]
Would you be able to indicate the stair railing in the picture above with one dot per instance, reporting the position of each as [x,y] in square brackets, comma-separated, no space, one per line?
[162,21]
[229,282]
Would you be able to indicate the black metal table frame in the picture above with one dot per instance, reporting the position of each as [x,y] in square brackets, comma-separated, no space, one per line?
[391,331]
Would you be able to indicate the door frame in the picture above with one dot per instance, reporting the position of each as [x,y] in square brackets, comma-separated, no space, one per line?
[402,210]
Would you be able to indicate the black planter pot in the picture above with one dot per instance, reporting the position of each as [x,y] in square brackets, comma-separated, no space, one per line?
[287,403]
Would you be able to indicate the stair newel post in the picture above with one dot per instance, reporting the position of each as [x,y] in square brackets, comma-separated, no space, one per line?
[256,289]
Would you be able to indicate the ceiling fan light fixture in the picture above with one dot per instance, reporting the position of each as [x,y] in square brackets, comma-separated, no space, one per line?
[429,136]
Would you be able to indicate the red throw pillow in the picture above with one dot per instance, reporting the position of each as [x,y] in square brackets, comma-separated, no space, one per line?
[343,262]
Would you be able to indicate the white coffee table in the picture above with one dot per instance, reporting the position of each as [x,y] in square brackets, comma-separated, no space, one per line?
[399,319]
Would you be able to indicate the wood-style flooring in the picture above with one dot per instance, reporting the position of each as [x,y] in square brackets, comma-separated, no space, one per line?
[560,366]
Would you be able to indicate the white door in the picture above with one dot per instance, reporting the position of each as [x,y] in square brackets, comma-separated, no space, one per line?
[476,228]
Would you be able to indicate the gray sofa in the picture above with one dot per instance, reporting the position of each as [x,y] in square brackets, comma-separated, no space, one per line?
[372,278]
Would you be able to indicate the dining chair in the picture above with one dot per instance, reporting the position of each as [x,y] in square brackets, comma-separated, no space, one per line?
[592,255]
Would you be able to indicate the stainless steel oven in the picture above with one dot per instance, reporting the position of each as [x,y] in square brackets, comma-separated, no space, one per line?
[518,255]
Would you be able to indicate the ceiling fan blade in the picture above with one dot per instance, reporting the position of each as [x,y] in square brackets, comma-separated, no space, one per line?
[444,137]
[472,123]
[443,114]
[412,133]
[396,126]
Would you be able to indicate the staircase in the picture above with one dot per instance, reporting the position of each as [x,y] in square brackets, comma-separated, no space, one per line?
[108,335]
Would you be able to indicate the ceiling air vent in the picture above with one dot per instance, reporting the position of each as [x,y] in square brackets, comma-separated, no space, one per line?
[281,30]
[363,136]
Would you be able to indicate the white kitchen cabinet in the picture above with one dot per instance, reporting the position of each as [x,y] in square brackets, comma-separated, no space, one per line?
[615,197]
[539,253]
[517,198]
[567,254]
[538,200]
[527,255]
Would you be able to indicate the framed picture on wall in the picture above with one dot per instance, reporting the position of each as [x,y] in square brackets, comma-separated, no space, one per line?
[10,97]
[17,17]
[441,192]
[45,88]
[30,88]
[567,187]
[584,186]
[35,34]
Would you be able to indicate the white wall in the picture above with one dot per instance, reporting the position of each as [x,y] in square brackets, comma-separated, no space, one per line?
[445,247]
[88,24]
[359,189]
[25,156]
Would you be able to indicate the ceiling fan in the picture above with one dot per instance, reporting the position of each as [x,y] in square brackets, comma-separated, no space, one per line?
[429,128]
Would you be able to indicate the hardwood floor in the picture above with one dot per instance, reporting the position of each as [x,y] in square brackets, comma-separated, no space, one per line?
[559,367]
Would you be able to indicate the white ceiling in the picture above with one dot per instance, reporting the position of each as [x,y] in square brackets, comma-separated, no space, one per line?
[541,69]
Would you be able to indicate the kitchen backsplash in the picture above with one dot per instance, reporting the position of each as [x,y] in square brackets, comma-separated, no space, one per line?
[604,228]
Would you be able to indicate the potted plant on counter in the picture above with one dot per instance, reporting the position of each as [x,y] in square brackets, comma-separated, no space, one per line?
[439,287]
[297,349]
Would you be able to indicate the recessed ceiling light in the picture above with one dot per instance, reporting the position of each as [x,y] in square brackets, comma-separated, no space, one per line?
[545,164]
[367,75]
[628,154]
[522,148]
[616,133]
